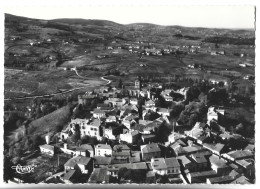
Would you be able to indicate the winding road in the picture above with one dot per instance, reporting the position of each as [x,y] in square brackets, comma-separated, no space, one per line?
[57,93]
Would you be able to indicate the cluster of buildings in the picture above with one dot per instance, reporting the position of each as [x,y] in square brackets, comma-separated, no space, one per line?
[201,155]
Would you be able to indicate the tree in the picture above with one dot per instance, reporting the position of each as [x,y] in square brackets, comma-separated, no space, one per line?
[120,84]
[36,141]
[121,172]
[8,171]
[76,136]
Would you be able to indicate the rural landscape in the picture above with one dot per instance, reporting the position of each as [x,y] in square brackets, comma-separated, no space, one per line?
[98,102]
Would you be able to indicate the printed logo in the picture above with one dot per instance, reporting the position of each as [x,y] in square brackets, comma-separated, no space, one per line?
[24,169]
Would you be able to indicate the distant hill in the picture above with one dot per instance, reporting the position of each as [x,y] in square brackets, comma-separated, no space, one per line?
[76,21]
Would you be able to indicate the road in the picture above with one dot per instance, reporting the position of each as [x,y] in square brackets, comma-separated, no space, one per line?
[57,93]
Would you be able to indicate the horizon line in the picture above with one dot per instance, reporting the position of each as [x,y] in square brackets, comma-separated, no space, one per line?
[245,28]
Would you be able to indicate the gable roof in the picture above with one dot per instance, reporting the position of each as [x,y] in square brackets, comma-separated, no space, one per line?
[158,163]
[69,174]
[239,154]
[121,147]
[171,162]
[103,146]
[215,160]
[84,147]
[77,160]
[95,122]
[199,158]
[47,147]
[149,148]
[100,160]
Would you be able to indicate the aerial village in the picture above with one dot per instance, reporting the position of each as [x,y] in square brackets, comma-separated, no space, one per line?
[147,147]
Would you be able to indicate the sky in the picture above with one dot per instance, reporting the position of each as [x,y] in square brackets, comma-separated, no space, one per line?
[185,15]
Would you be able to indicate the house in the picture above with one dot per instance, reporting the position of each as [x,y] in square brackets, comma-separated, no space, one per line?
[130,137]
[133,101]
[79,163]
[150,151]
[150,103]
[241,180]
[109,132]
[168,98]
[87,127]
[98,176]
[47,149]
[85,150]
[238,155]
[215,149]
[121,154]
[200,161]
[97,113]
[111,119]
[148,138]
[173,166]
[171,139]
[193,149]
[129,120]
[186,163]
[135,167]
[159,166]
[219,165]
[200,177]
[103,150]
[212,114]
[178,149]
[250,147]
[150,177]
[163,111]
[70,177]
[100,161]
[220,180]
[85,99]
[152,127]
[135,156]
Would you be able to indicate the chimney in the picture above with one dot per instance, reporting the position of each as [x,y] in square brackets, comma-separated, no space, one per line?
[47,139]
[65,146]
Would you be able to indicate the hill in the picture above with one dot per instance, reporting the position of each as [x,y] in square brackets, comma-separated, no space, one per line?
[41,126]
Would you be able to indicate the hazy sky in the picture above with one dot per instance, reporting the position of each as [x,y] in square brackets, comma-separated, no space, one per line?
[203,16]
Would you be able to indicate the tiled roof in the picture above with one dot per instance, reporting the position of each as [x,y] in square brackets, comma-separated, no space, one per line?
[172,162]
[221,179]
[240,154]
[103,146]
[47,146]
[84,147]
[100,160]
[158,163]
[77,160]
[95,122]
[215,160]
[153,147]
[69,174]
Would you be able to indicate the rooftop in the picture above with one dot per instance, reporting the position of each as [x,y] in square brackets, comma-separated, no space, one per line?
[218,162]
[199,158]
[203,173]
[153,147]
[47,146]
[84,147]
[221,179]
[100,160]
[77,160]
[69,174]
[172,162]
[158,163]
[103,146]
[240,154]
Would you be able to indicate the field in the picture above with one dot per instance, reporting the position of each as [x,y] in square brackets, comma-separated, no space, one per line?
[30,83]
